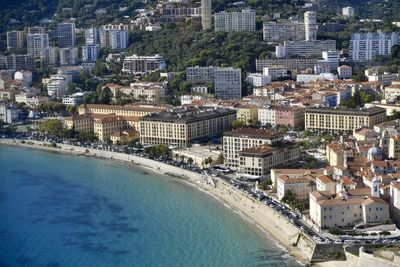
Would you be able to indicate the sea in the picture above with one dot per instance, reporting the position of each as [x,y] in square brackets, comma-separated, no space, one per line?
[65,210]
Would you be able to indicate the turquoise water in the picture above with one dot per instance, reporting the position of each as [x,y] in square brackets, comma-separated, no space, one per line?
[62,210]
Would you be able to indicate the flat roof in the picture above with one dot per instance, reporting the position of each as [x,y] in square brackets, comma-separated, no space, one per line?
[346,111]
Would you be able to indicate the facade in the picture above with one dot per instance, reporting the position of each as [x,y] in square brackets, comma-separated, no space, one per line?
[125,111]
[235,21]
[342,119]
[114,39]
[57,85]
[260,160]
[15,40]
[66,34]
[92,36]
[325,183]
[25,76]
[148,91]
[30,101]
[366,46]
[51,55]
[36,43]
[344,72]
[394,147]
[258,79]
[68,55]
[143,64]
[20,62]
[292,64]
[247,113]
[290,116]
[198,74]
[206,14]
[318,69]
[90,53]
[228,83]
[348,12]
[284,31]
[392,92]
[306,78]
[80,123]
[304,48]
[243,138]
[267,116]
[298,186]
[181,126]
[310,25]
[276,72]
[385,78]
[104,127]
[347,208]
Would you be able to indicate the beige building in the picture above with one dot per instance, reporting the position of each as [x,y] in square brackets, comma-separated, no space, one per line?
[394,147]
[293,173]
[260,160]
[247,114]
[325,183]
[180,127]
[148,91]
[395,201]
[124,136]
[347,209]
[301,187]
[124,111]
[342,119]
[105,126]
[80,123]
[243,138]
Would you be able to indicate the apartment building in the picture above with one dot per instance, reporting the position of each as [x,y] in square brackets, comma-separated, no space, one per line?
[68,55]
[276,72]
[247,113]
[51,55]
[235,21]
[148,91]
[36,43]
[293,173]
[258,79]
[124,111]
[344,72]
[66,34]
[90,53]
[348,12]
[15,40]
[310,25]
[57,85]
[289,116]
[80,123]
[267,116]
[261,159]
[30,100]
[304,48]
[228,83]
[143,64]
[206,14]
[179,127]
[299,186]
[283,31]
[340,119]
[92,36]
[292,64]
[394,147]
[347,208]
[367,45]
[392,92]
[198,74]
[20,62]
[114,39]
[105,126]
[240,139]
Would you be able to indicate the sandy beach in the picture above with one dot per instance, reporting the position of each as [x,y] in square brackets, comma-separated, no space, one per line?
[270,223]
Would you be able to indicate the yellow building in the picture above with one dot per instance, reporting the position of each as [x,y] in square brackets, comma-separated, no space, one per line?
[124,136]
[247,114]
[105,126]
[394,147]
[80,123]
[179,127]
[125,111]
[301,187]
[342,119]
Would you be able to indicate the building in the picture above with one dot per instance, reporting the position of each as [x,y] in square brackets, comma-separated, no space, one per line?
[20,62]
[80,123]
[57,85]
[25,76]
[51,55]
[228,83]
[348,12]
[276,72]
[36,29]
[66,34]
[330,58]
[384,78]
[289,116]
[293,64]
[15,40]
[143,64]
[198,74]
[318,69]
[240,139]
[394,147]
[90,53]
[68,55]
[310,25]
[340,119]
[367,45]
[283,31]
[306,78]
[124,136]
[150,92]
[392,92]
[206,14]
[105,126]
[260,160]
[344,72]
[301,186]
[247,113]
[304,48]
[258,79]
[114,39]
[36,43]
[74,99]
[325,183]
[180,127]
[293,174]
[8,113]
[267,116]
[92,36]
[29,100]
[235,21]
[395,201]
[347,208]
[125,111]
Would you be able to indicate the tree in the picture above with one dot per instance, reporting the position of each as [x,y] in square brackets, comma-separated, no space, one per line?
[71,88]
[105,96]
[190,161]
[220,159]
[238,124]
[264,185]
[289,197]
[52,127]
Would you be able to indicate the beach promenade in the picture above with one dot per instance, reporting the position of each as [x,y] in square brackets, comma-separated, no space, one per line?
[271,224]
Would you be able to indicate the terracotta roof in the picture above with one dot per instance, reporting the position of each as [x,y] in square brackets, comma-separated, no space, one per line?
[325,179]
[285,179]
[380,163]
[373,200]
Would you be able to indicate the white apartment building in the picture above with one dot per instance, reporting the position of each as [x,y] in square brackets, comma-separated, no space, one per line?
[276,72]
[66,34]
[392,92]
[91,36]
[258,79]
[74,99]
[206,14]
[320,68]
[29,100]
[292,64]
[228,83]
[200,74]
[235,21]
[68,55]
[385,78]
[57,85]
[305,78]
[25,76]
[330,58]
[267,115]
[283,31]
[304,48]
[90,53]
[143,64]
[348,12]
[310,25]
[344,72]
[114,39]
[365,46]
[36,43]
[299,186]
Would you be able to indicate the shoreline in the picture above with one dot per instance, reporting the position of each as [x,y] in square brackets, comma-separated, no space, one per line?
[270,224]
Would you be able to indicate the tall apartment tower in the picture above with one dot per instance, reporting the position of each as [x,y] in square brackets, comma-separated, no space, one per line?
[310,25]
[206,14]
[36,43]
[92,36]
[36,29]
[66,34]
[15,40]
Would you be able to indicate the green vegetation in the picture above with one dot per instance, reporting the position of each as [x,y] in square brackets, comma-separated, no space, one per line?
[311,163]
[359,99]
[156,151]
[264,185]
[52,127]
[335,231]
